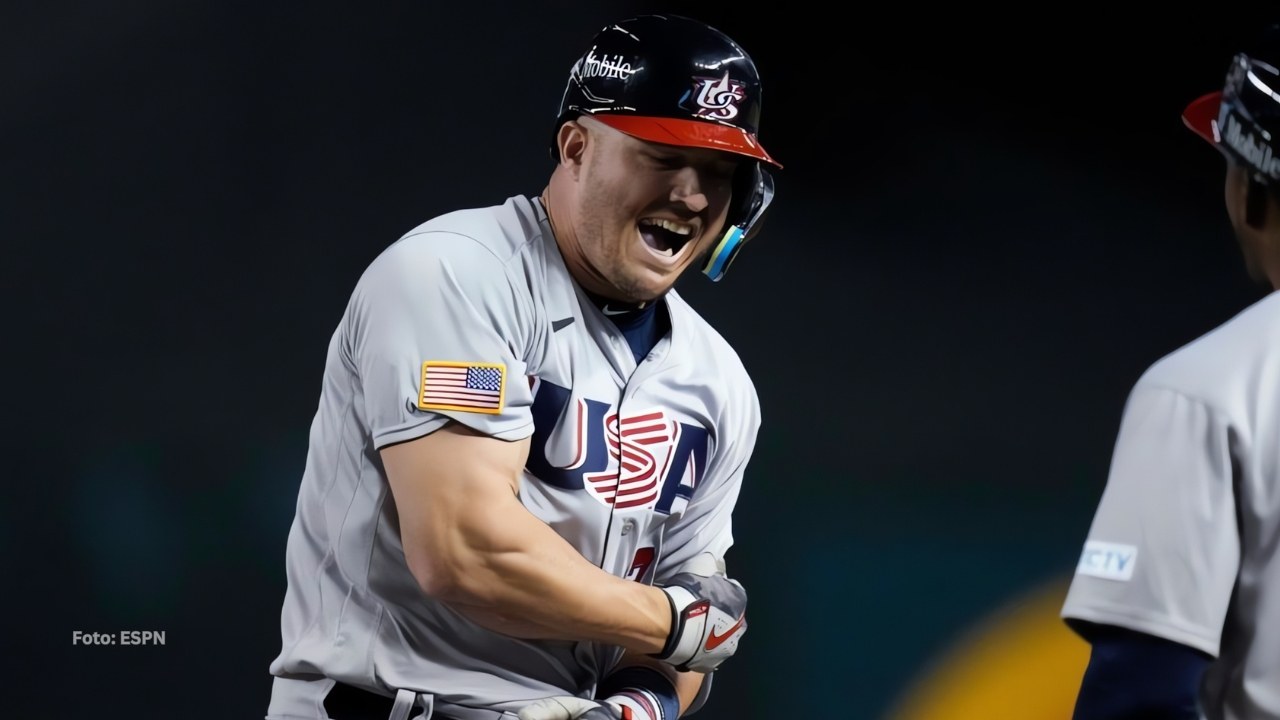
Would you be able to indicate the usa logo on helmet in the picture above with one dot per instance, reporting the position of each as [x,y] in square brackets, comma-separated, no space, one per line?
[717,98]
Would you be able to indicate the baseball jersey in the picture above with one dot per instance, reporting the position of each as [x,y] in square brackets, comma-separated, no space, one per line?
[473,317]
[1185,543]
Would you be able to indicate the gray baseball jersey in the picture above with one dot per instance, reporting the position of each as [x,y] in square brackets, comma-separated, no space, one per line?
[1185,544]
[473,317]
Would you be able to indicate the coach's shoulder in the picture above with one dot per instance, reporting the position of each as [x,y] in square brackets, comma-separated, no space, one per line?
[1229,364]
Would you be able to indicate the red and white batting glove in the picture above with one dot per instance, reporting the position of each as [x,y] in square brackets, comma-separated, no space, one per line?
[576,708]
[709,617]
[632,693]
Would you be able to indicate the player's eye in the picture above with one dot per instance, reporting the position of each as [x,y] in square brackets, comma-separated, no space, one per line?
[668,162]
[724,172]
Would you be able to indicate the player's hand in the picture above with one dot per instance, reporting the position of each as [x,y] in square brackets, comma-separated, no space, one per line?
[709,617]
[576,708]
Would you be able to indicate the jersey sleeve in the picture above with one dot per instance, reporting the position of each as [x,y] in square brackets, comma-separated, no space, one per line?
[704,531]
[1163,550]
[438,333]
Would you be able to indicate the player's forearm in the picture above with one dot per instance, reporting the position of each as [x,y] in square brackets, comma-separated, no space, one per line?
[513,574]
[515,627]
[687,683]
[687,686]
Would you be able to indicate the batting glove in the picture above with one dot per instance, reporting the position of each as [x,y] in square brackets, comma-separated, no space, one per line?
[634,693]
[708,618]
[576,708]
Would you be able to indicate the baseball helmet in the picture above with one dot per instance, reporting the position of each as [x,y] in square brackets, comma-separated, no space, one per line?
[673,80]
[1242,119]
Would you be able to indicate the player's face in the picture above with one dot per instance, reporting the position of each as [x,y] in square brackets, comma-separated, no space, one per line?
[645,211]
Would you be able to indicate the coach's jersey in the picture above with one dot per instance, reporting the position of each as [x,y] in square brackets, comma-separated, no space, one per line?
[473,317]
[1185,543]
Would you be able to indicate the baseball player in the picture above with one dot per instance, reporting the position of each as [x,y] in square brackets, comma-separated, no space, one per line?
[1178,587]
[519,485]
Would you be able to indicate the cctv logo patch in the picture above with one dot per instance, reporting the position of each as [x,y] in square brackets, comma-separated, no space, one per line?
[716,98]
[1109,561]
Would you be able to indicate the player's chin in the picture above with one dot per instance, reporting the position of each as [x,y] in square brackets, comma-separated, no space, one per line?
[650,280]
[634,282]
[643,286]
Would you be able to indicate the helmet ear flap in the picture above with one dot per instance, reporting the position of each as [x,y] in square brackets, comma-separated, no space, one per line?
[752,195]
[757,195]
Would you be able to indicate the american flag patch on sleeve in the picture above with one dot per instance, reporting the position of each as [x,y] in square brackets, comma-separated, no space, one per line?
[467,387]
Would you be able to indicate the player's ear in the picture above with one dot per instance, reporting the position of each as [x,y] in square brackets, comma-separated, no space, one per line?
[571,138]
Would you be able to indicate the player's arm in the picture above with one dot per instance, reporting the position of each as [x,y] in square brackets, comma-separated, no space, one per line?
[454,452]
[1132,674]
[471,544]
[1156,576]
[641,673]
[638,688]
[453,456]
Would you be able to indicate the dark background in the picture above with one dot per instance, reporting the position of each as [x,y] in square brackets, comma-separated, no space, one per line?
[988,225]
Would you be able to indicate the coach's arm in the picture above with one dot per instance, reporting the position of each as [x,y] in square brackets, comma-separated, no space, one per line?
[470,543]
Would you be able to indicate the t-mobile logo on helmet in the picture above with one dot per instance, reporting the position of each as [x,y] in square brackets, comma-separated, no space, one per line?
[1252,149]
[717,98]
[610,66]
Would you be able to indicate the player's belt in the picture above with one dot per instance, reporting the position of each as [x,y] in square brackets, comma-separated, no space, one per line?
[347,702]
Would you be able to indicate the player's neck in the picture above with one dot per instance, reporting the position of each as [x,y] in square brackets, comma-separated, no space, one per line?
[594,284]
[1268,249]
[1271,259]
[562,233]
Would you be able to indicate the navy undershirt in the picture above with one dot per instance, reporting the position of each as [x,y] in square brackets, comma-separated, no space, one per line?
[1134,675]
[642,327]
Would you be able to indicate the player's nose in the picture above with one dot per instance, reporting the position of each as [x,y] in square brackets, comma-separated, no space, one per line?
[688,191]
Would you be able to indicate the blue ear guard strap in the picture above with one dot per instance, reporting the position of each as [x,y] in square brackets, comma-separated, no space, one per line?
[755,198]
[720,257]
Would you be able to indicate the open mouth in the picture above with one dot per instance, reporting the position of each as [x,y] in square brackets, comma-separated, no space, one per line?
[666,238]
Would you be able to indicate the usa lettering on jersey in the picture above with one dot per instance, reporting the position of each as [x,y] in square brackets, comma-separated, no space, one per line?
[645,460]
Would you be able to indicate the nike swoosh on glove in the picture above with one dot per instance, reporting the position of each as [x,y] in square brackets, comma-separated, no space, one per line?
[708,619]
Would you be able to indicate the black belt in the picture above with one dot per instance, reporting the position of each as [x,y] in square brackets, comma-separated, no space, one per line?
[347,702]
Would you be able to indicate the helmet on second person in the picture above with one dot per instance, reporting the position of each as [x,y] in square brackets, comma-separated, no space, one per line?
[1243,118]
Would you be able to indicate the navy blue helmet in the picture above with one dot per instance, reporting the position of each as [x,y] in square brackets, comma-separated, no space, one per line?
[673,80]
